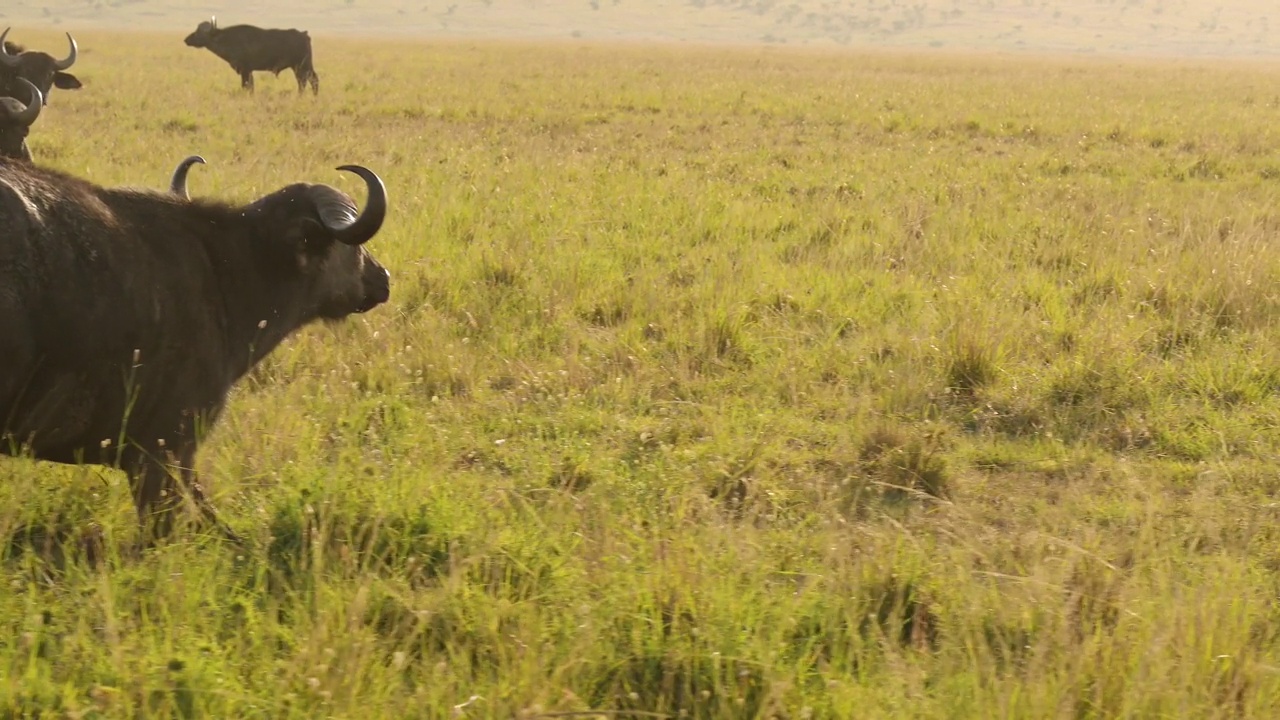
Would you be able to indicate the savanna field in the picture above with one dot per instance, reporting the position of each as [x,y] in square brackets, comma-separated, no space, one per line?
[715,383]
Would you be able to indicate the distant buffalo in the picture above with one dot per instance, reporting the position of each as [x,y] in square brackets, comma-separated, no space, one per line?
[16,118]
[249,49]
[126,316]
[41,69]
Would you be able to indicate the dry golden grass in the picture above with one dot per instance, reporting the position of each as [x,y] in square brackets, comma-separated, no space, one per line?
[1189,28]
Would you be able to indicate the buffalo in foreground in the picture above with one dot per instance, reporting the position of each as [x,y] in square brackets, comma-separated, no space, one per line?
[16,118]
[126,316]
[41,69]
[248,49]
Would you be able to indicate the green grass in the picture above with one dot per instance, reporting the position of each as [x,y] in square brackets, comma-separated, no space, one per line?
[730,384]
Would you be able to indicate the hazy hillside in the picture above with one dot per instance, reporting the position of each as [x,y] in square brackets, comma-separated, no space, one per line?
[1161,27]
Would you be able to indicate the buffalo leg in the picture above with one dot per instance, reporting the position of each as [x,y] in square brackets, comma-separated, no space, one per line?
[307,74]
[155,495]
[158,495]
[207,512]
[246,80]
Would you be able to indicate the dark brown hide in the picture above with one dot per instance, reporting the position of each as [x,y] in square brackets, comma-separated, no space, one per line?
[127,315]
[248,49]
[39,68]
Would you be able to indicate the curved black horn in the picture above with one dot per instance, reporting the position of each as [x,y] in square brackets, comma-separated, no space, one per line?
[5,58]
[364,227]
[69,60]
[178,185]
[29,114]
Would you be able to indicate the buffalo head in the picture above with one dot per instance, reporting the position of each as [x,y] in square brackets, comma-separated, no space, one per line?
[204,31]
[322,230]
[43,70]
[15,121]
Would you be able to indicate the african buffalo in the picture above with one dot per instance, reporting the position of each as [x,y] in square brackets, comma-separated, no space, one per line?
[247,49]
[126,315]
[16,118]
[42,69]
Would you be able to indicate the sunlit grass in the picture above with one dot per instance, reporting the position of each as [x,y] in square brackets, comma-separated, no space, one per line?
[725,383]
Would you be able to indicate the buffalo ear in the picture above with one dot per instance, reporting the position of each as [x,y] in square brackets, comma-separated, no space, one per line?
[66,81]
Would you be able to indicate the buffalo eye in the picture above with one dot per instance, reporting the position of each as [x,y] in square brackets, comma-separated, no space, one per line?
[309,237]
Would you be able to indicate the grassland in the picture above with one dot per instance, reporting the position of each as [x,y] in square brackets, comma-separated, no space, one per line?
[720,384]
[1200,28]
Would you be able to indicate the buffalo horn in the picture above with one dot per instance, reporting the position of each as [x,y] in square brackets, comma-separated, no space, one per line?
[5,58]
[69,60]
[178,186]
[29,114]
[367,224]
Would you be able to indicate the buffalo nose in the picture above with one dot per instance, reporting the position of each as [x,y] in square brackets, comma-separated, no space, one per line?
[381,290]
[385,290]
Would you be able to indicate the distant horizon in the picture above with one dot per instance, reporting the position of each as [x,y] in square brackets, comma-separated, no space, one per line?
[1192,29]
